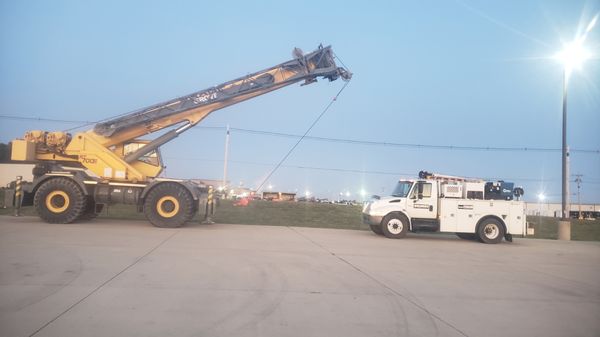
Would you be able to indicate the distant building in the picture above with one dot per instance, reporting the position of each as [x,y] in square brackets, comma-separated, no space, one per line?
[279,196]
[554,209]
[231,192]
[216,184]
[9,172]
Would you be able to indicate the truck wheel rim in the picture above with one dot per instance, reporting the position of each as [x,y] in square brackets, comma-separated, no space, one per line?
[167,206]
[395,226]
[491,231]
[57,201]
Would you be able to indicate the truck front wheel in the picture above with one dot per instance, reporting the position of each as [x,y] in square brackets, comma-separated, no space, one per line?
[169,205]
[490,231]
[394,226]
[59,200]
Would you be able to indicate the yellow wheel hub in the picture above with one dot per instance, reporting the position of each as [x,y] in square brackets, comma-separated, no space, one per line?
[167,206]
[57,201]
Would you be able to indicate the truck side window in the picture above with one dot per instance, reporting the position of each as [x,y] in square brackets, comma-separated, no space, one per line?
[425,187]
[426,190]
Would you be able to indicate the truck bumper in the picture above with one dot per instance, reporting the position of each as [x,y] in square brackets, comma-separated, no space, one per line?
[371,219]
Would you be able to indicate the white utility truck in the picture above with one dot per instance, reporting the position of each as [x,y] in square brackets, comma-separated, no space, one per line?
[472,208]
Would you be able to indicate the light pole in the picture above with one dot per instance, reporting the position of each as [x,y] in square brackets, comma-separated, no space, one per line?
[226,157]
[578,181]
[564,226]
[572,57]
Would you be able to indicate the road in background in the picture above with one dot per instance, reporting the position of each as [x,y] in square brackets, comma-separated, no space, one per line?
[127,278]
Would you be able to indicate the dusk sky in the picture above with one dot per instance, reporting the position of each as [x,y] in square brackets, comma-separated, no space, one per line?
[427,75]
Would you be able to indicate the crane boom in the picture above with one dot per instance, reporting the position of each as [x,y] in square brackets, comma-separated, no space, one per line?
[319,63]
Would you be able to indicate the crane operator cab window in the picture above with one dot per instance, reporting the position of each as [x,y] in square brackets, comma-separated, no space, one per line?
[422,190]
[149,158]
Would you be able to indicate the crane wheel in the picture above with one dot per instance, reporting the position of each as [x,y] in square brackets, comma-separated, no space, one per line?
[169,205]
[59,200]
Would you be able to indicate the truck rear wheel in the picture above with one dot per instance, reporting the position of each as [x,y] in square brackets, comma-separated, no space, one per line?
[59,200]
[490,231]
[394,226]
[376,229]
[169,205]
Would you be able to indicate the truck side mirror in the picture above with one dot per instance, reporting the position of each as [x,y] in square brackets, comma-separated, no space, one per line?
[420,191]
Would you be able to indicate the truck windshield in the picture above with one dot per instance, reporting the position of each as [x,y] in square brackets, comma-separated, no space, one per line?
[402,189]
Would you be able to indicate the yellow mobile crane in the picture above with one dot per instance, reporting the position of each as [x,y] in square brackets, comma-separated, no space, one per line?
[76,175]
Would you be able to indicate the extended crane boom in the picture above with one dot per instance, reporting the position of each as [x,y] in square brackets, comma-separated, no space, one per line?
[319,63]
[112,154]
[194,107]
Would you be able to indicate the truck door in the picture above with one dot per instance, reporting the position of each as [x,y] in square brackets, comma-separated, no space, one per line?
[422,203]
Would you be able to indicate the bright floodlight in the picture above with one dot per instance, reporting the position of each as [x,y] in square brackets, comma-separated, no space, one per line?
[573,55]
[541,197]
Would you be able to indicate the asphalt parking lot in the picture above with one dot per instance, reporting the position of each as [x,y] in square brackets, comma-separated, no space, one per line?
[127,278]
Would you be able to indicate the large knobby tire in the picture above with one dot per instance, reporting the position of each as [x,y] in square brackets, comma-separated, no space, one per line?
[394,226]
[169,205]
[59,200]
[376,229]
[467,236]
[490,231]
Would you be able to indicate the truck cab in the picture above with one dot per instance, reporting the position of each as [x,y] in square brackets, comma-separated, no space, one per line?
[467,207]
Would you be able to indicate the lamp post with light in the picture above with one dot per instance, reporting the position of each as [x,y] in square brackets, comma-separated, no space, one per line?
[572,57]
[541,198]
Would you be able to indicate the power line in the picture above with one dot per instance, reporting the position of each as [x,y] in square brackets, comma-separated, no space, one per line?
[43,119]
[345,141]
[303,136]
[360,171]
[412,145]
[333,169]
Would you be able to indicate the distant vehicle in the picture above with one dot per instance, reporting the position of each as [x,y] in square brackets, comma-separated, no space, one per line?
[472,208]
[242,202]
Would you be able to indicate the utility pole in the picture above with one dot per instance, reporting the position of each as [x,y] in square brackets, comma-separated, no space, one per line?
[578,181]
[225,162]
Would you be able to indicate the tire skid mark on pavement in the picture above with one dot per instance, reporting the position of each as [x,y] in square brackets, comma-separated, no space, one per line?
[62,280]
[104,284]
[265,298]
[407,296]
[270,306]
